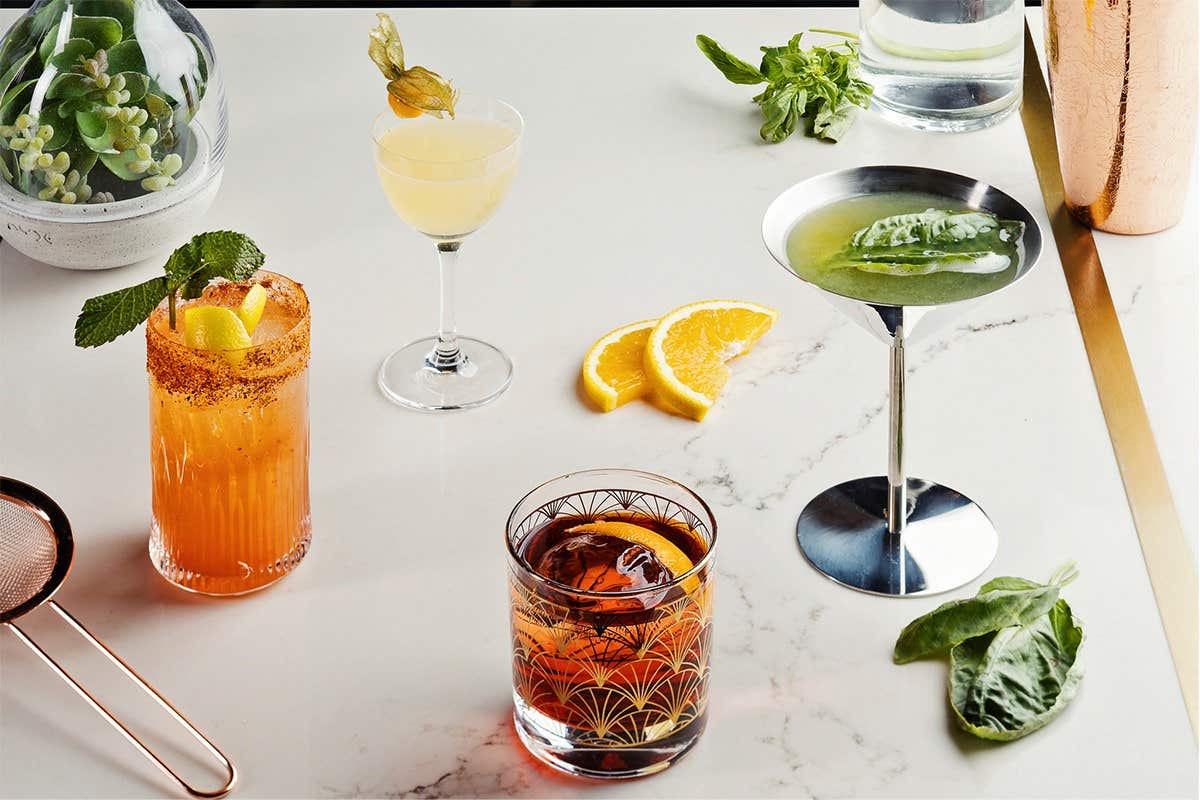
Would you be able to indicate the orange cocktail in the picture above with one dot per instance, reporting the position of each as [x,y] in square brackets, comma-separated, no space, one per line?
[229,444]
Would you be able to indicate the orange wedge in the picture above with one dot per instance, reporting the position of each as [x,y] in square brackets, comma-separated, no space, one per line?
[663,548]
[687,350]
[613,372]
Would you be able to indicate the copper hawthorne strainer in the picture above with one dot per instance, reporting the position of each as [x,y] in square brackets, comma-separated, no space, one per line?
[35,554]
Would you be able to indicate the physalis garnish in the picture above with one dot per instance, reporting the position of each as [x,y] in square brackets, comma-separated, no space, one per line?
[411,91]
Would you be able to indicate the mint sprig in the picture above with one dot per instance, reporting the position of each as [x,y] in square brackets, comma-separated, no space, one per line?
[207,256]
[819,86]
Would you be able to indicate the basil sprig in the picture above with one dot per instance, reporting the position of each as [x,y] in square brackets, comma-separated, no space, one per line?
[819,85]
[1014,654]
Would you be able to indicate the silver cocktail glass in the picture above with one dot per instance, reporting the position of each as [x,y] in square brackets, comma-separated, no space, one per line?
[896,535]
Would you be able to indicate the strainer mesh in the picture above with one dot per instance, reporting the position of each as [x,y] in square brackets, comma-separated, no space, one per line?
[27,553]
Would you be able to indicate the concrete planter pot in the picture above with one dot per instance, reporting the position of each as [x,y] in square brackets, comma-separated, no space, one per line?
[106,235]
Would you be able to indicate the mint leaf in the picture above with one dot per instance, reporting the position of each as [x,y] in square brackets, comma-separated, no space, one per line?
[216,254]
[206,256]
[731,66]
[108,316]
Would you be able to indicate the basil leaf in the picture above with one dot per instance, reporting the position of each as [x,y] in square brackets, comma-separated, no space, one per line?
[928,227]
[732,67]
[959,620]
[832,125]
[930,241]
[781,114]
[1008,582]
[1008,684]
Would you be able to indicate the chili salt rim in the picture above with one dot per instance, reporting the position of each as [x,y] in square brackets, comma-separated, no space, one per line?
[206,376]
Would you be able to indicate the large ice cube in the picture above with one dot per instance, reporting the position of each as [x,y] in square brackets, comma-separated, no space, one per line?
[598,563]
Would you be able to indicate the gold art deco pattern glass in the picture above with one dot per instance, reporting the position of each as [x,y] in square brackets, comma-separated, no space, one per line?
[610,684]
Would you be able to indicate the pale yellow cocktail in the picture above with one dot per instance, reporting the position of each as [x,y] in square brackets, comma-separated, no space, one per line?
[446,177]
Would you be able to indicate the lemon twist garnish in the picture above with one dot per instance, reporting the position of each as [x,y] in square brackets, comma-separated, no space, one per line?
[222,330]
[251,310]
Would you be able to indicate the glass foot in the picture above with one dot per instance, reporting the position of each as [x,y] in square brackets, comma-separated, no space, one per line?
[409,379]
[947,541]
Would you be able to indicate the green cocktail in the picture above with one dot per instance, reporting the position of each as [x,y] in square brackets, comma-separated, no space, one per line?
[862,247]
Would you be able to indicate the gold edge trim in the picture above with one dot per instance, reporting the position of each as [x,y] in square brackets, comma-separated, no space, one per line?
[1165,550]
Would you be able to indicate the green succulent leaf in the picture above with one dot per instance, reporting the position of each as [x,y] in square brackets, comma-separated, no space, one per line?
[118,164]
[126,56]
[10,76]
[83,158]
[108,316]
[96,131]
[18,43]
[62,131]
[137,85]
[16,101]
[68,58]
[157,106]
[201,59]
[102,32]
[120,10]
[68,84]
[732,67]
[1008,684]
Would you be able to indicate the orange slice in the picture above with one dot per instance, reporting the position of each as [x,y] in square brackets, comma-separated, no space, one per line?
[663,548]
[687,350]
[613,372]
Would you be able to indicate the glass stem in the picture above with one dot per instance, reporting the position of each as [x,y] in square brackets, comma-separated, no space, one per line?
[897,508]
[446,355]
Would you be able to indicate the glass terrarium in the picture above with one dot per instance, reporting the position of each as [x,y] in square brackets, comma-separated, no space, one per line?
[109,110]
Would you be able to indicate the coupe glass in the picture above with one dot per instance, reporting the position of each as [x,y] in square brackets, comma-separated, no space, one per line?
[445,178]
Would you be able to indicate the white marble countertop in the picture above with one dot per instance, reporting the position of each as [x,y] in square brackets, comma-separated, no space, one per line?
[381,667]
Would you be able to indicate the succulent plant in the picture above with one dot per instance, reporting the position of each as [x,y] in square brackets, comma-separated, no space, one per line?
[83,108]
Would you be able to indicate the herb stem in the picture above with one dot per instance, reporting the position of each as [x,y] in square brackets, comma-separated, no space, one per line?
[834,33]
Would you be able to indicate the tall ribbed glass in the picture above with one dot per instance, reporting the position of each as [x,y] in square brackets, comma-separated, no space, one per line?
[229,445]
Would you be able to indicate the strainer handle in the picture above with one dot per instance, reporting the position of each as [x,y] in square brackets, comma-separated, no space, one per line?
[129,735]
